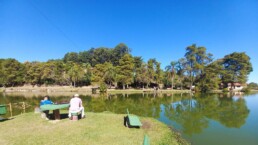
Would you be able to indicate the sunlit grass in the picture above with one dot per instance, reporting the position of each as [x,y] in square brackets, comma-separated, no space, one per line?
[95,129]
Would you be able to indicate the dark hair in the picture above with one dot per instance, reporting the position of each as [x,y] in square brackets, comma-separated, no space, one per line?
[48,98]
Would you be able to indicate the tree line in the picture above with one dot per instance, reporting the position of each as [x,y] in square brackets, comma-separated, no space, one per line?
[116,67]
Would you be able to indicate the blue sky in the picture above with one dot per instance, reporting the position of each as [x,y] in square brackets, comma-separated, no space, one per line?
[162,29]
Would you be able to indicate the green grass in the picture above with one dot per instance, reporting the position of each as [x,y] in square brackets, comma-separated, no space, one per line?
[2,90]
[95,129]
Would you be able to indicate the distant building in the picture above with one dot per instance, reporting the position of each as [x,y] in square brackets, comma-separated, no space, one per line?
[232,86]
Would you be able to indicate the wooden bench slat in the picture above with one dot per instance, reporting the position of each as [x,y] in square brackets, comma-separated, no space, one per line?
[134,120]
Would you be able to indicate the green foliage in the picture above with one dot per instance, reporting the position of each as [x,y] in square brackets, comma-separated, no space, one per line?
[236,67]
[11,72]
[33,72]
[246,90]
[253,85]
[71,56]
[196,60]
[104,73]
[209,80]
[103,87]
[197,89]
[154,72]
[171,72]
[141,75]
[225,90]
[125,70]
[99,55]
[118,52]
[117,66]
[74,73]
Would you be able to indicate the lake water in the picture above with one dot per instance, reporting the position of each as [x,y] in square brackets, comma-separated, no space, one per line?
[207,119]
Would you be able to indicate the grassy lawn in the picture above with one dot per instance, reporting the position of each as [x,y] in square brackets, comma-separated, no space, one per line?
[95,129]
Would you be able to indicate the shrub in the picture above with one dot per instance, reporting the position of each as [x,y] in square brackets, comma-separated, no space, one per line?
[225,90]
[103,87]
[246,90]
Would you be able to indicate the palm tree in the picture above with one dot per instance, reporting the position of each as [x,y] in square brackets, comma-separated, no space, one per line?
[171,68]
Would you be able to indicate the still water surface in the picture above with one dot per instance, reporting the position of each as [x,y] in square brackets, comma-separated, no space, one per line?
[207,119]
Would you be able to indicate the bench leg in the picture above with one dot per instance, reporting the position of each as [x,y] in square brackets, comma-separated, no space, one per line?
[126,122]
[56,114]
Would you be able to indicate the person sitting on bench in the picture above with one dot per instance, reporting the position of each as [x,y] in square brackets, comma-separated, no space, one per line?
[76,106]
[45,101]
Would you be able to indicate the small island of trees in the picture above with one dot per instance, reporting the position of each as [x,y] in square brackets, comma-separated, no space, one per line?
[117,68]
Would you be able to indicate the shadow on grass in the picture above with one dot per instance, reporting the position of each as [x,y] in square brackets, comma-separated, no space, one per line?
[5,119]
[62,116]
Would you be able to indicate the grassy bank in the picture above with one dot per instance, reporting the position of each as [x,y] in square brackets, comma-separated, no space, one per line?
[95,129]
[2,90]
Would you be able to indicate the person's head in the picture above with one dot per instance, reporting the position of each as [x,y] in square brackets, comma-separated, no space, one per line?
[76,95]
[46,98]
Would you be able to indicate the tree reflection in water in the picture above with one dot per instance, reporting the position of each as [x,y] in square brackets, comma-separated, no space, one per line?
[194,113]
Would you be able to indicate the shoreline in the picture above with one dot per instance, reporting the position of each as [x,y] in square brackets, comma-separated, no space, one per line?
[84,89]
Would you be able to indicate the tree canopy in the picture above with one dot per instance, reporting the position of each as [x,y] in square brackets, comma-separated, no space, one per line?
[117,67]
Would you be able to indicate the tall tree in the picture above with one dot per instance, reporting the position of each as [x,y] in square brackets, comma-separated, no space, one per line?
[237,67]
[110,74]
[210,79]
[33,72]
[137,69]
[86,56]
[125,70]
[171,72]
[180,68]
[52,72]
[101,55]
[159,73]
[12,72]
[151,71]
[196,60]
[142,75]
[104,73]
[74,73]
[118,52]
[71,56]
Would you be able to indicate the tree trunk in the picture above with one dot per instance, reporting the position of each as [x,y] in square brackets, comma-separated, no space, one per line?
[172,82]
[181,84]
[123,86]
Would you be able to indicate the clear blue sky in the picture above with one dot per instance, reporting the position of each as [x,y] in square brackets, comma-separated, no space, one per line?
[162,29]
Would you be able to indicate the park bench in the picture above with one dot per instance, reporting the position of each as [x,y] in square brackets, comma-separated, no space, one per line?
[146,140]
[56,109]
[2,109]
[132,121]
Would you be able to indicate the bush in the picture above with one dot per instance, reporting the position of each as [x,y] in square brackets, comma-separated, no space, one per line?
[103,87]
[225,90]
[196,89]
[246,90]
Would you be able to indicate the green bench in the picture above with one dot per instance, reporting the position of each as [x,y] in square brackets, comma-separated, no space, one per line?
[2,109]
[146,140]
[132,121]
